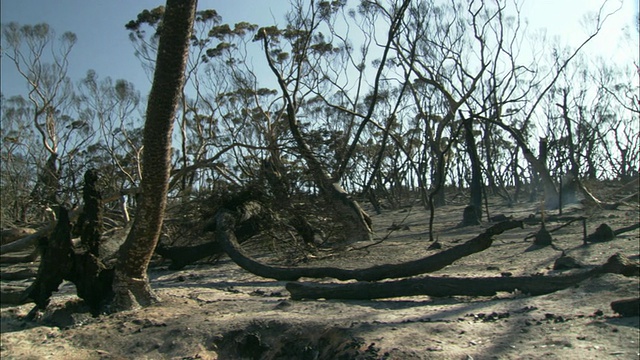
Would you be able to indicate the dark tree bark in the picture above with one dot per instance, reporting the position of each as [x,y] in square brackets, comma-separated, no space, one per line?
[225,234]
[131,284]
[476,171]
[537,165]
[433,286]
[55,264]
[82,266]
[90,221]
[92,278]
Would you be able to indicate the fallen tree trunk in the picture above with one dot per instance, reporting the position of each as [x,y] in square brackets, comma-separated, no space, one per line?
[472,286]
[626,229]
[182,256]
[31,239]
[18,275]
[626,198]
[10,235]
[18,259]
[227,238]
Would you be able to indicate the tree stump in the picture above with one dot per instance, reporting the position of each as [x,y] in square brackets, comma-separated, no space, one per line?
[603,233]
[626,307]
[470,216]
[82,266]
[542,237]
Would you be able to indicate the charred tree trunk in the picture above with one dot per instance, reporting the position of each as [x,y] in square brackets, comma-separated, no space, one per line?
[488,149]
[82,266]
[376,168]
[575,169]
[476,175]
[474,286]
[539,166]
[225,234]
[55,264]
[517,181]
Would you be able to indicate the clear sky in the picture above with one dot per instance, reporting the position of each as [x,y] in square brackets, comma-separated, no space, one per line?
[103,43]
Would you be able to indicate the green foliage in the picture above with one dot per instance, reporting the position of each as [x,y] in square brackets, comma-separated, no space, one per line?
[152,18]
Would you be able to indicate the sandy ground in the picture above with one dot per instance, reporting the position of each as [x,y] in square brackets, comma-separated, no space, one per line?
[223,312]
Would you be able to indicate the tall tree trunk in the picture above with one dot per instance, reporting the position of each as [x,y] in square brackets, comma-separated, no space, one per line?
[488,144]
[539,166]
[575,169]
[131,283]
[476,171]
[517,181]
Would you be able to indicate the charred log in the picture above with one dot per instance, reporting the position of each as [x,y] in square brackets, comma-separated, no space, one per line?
[182,256]
[626,229]
[439,287]
[10,235]
[18,275]
[225,234]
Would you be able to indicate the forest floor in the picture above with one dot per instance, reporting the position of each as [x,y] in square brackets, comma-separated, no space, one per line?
[220,311]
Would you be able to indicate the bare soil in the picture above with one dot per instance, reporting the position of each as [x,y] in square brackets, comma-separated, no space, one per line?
[220,311]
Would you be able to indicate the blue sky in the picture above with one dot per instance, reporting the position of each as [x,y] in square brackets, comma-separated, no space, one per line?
[103,43]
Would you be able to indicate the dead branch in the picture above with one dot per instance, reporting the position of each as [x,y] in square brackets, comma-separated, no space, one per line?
[592,199]
[18,275]
[626,229]
[626,198]
[10,235]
